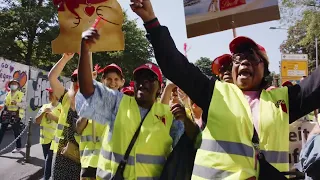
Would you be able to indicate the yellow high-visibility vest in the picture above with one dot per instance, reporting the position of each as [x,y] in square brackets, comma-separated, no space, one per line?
[226,150]
[18,95]
[311,116]
[151,149]
[47,128]
[90,150]
[62,123]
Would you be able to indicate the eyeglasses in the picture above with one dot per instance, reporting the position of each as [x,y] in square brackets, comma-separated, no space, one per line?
[250,55]
[142,80]
[146,79]
[74,78]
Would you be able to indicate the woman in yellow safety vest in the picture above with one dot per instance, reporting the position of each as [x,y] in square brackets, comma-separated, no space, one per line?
[14,103]
[64,166]
[229,148]
[47,118]
[92,132]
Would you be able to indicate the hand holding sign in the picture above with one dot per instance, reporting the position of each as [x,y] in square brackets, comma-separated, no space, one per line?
[89,36]
[143,8]
[77,16]
[67,56]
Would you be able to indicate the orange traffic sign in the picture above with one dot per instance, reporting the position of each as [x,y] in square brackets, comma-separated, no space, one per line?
[294,68]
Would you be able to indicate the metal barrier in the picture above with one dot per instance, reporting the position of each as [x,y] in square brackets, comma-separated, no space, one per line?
[14,141]
[28,144]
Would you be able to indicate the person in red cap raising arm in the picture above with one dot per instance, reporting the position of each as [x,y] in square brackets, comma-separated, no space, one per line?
[142,130]
[246,126]
[64,167]
[221,66]
[47,118]
[91,132]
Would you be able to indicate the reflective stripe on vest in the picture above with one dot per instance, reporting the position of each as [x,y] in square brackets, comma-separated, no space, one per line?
[144,161]
[46,135]
[47,129]
[43,137]
[210,173]
[89,138]
[56,139]
[230,154]
[13,107]
[60,126]
[140,158]
[107,175]
[88,152]
[55,144]
[243,150]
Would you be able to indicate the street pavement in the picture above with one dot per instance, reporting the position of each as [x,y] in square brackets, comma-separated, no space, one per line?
[13,165]
[9,137]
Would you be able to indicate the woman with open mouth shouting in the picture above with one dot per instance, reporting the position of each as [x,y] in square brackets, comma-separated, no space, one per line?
[247,128]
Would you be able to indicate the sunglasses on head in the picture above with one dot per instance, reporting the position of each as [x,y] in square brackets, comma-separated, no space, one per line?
[74,78]
[249,55]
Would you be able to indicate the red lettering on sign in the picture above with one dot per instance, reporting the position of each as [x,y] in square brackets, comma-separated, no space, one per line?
[227,4]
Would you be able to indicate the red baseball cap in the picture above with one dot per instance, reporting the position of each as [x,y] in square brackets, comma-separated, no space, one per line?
[128,90]
[49,90]
[240,40]
[75,72]
[219,61]
[236,42]
[151,67]
[111,66]
[287,83]
[270,88]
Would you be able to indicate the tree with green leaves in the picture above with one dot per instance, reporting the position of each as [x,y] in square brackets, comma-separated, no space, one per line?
[292,10]
[204,64]
[27,28]
[24,23]
[273,79]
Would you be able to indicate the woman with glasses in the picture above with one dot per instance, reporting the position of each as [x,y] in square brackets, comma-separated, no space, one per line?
[221,66]
[246,127]
[64,167]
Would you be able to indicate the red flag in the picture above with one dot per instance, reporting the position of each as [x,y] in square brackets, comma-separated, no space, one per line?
[185,49]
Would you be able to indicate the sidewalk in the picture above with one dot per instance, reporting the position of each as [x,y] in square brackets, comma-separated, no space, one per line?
[12,166]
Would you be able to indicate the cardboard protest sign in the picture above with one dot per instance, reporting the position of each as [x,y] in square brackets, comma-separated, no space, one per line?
[299,131]
[208,16]
[76,16]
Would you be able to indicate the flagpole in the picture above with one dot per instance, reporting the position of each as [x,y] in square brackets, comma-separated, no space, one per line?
[234,30]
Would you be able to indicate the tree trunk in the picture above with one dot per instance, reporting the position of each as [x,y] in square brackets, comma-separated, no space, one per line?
[30,48]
